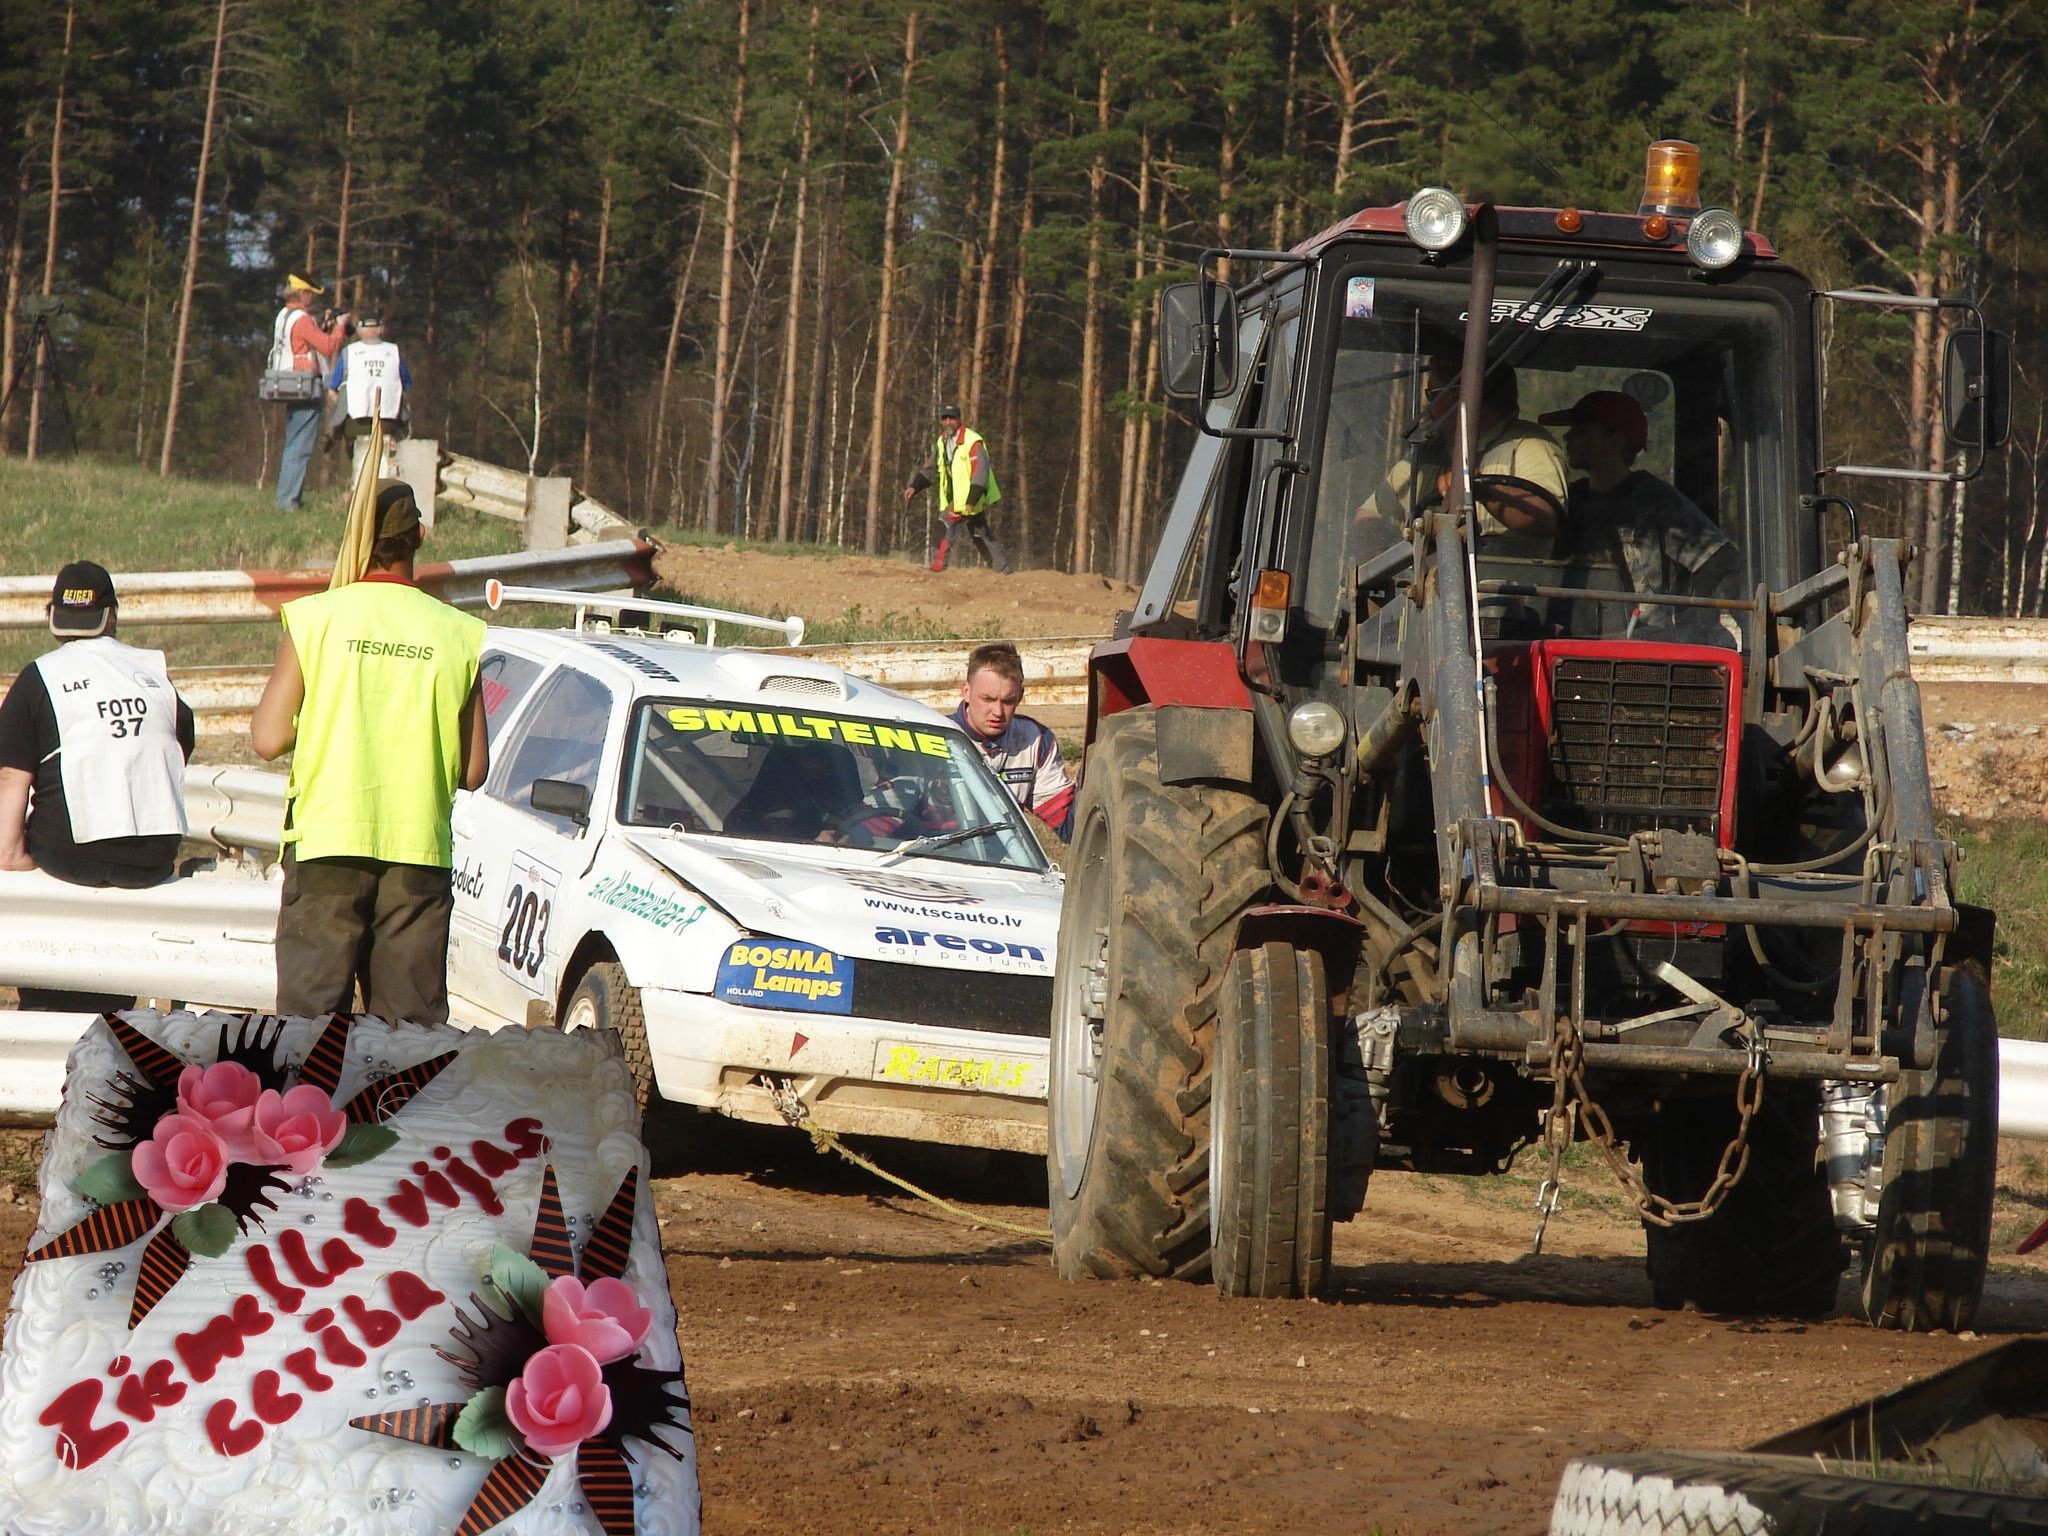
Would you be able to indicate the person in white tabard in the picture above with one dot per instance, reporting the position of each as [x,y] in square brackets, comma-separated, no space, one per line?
[369,380]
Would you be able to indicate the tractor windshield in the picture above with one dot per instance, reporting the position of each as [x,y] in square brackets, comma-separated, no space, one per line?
[1650,424]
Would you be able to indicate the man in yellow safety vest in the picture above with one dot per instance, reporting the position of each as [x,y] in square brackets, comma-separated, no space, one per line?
[958,465]
[376,687]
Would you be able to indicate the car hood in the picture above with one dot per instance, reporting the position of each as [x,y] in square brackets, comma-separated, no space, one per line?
[920,911]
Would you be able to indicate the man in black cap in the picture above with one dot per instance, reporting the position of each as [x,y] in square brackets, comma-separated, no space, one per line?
[958,465]
[375,695]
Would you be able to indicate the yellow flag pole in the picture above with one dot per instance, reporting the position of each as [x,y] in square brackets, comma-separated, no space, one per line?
[361,531]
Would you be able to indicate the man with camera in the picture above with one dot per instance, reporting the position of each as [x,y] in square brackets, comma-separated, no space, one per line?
[302,345]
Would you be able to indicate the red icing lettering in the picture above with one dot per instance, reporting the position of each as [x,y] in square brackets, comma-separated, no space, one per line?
[302,1364]
[80,1442]
[494,1160]
[365,1225]
[524,1134]
[409,1205]
[319,1319]
[335,1254]
[228,1437]
[341,1349]
[439,1190]
[412,1295]
[378,1327]
[271,1405]
[119,1366]
[339,1257]
[419,1167]
[141,1396]
[264,1268]
[221,1339]
[442,1153]
[479,1189]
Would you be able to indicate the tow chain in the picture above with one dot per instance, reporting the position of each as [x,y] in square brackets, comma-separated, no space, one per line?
[1571,1102]
[791,1106]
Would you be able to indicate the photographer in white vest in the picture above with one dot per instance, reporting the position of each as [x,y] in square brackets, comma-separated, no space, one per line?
[370,379]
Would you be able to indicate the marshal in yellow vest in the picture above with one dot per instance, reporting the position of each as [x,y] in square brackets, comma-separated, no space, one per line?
[380,735]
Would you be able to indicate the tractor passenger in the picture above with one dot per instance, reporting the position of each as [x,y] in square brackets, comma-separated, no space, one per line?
[1668,545]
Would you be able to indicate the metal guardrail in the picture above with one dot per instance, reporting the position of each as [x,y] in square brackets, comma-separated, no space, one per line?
[211,597]
[499,492]
[1974,650]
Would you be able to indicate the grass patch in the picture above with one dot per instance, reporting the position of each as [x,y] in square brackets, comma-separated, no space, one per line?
[2005,868]
[131,520]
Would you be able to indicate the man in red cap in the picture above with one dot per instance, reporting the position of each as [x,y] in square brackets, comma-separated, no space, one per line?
[1668,545]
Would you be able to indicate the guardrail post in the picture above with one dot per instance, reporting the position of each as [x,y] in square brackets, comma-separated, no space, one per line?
[547,512]
[419,466]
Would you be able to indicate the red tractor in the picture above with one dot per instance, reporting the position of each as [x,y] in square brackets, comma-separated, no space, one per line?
[1453,790]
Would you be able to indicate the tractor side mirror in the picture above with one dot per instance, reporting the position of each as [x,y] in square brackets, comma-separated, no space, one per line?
[559,797]
[1182,331]
[1976,389]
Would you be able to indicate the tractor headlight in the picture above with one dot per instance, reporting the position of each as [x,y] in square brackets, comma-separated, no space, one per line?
[1714,239]
[1316,728]
[1434,219]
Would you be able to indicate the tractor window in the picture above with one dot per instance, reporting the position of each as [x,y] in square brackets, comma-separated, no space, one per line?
[1667,408]
[1205,592]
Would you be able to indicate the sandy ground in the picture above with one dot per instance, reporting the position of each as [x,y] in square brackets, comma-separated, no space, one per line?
[860,1364]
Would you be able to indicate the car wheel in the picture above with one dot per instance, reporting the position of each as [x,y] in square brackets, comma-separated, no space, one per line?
[604,999]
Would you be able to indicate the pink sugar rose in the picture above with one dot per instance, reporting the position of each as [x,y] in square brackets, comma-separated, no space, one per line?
[296,1128]
[183,1164]
[224,1097]
[560,1399]
[606,1318]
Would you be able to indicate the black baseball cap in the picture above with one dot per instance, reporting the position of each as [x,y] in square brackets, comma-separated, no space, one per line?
[397,511]
[949,410]
[81,599]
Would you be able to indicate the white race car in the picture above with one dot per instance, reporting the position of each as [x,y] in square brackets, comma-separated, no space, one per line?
[767,875]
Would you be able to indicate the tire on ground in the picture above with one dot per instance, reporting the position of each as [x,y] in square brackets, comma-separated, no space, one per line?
[1771,1247]
[1923,1265]
[1158,876]
[1655,1493]
[604,999]
[1269,1126]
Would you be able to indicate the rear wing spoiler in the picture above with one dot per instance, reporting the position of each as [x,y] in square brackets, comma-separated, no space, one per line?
[614,610]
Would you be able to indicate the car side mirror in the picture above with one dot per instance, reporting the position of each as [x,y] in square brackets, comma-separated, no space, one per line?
[559,797]
[1976,389]
[1182,327]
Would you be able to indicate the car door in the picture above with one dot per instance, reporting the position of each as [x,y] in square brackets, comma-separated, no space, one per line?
[514,862]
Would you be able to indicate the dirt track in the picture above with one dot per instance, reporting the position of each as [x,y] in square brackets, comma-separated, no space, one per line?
[861,1365]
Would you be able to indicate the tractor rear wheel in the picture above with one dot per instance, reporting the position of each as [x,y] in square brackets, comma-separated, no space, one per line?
[1269,1122]
[1158,876]
[1923,1265]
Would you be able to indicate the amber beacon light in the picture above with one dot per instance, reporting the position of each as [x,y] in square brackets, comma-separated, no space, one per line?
[1671,178]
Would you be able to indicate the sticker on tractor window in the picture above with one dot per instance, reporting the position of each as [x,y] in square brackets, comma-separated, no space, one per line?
[1358,298]
[758,974]
[1578,317]
[529,912]
[760,725]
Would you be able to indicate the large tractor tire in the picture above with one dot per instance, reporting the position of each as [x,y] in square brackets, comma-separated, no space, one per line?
[1771,1248]
[1923,1265]
[1269,1125]
[1158,876]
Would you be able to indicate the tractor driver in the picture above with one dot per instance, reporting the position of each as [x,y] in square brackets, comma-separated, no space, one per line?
[1518,474]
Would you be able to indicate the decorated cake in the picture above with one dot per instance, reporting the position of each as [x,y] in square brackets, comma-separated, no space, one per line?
[343,1276]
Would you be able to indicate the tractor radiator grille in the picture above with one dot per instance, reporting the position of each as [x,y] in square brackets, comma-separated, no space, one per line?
[1636,745]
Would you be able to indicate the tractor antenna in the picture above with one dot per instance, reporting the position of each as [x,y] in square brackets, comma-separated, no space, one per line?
[1548,169]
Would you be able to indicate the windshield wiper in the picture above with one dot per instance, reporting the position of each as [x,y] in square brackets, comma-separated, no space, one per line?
[935,840]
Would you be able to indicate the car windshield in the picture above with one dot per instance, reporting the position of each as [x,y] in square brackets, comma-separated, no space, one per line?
[1695,387]
[814,777]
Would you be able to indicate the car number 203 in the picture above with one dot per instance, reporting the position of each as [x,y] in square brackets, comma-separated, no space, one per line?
[529,908]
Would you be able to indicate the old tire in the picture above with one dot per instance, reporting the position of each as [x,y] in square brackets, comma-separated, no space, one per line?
[1156,880]
[1655,1493]
[1771,1248]
[1269,1122]
[1923,1265]
[604,999]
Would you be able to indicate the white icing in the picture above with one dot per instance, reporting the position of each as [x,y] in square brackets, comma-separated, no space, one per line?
[315,1475]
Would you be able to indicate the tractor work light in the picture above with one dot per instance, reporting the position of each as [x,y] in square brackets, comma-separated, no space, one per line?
[1714,240]
[1316,728]
[1671,178]
[1434,219]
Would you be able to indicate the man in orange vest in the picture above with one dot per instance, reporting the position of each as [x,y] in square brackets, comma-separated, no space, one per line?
[958,465]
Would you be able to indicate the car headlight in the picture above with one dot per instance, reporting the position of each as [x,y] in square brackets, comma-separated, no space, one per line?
[1714,240]
[1316,728]
[1434,219]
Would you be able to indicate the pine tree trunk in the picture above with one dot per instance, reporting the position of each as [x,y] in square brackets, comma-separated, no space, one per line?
[879,418]
[220,32]
[958,336]
[721,368]
[604,246]
[41,364]
[1127,457]
[1920,390]
[1091,342]
[341,222]
[785,445]
[984,297]
[668,373]
[1287,120]
[1013,377]
[17,259]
